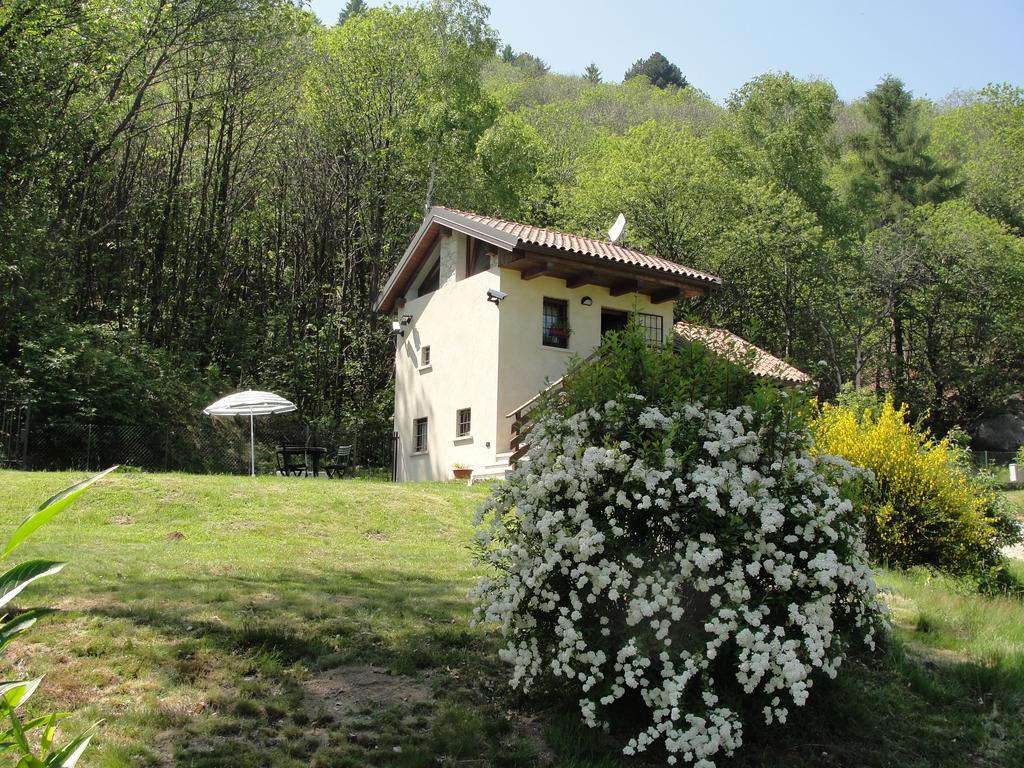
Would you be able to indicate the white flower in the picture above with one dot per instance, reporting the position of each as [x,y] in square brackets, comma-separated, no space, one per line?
[632,567]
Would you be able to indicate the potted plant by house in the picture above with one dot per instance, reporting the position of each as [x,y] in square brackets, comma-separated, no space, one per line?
[559,330]
[462,471]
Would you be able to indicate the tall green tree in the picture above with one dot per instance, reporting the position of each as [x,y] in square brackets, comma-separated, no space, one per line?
[675,194]
[984,138]
[661,72]
[352,8]
[783,132]
[896,171]
[592,74]
[956,278]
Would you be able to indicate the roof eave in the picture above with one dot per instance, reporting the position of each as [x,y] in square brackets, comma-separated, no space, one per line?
[448,218]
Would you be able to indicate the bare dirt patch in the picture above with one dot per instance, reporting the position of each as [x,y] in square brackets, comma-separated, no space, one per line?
[346,691]
[375,535]
[121,520]
[174,536]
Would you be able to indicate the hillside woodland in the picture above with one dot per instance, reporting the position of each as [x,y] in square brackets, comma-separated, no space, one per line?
[201,195]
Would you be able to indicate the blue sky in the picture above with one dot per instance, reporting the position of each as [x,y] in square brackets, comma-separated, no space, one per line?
[935,47]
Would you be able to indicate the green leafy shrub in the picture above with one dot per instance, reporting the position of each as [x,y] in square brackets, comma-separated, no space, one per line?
[924,504]
[671,553]
[18,736]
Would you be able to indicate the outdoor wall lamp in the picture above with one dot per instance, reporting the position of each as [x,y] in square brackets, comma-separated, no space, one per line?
[586,301]
[396,328]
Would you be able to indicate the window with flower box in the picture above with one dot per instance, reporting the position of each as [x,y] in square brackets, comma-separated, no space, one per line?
[555,329]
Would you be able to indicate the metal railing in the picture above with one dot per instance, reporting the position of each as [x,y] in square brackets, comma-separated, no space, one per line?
[14,431]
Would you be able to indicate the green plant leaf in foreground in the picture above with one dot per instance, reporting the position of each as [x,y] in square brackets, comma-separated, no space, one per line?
[23,574]
[15,693]
[68,755]
[48,510]
[13,627]
[8,737]
[18,732]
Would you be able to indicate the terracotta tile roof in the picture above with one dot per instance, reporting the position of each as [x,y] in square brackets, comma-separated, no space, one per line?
[732,347]
[601,249]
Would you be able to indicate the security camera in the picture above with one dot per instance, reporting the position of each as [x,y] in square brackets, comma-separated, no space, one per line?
[494,295]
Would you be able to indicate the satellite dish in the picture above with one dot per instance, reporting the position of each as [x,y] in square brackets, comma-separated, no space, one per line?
[616,231]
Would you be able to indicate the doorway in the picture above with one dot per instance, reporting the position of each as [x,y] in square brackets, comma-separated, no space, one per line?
[613,320]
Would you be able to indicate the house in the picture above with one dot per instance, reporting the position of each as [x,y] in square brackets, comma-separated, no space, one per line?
[487,311]
[739,350]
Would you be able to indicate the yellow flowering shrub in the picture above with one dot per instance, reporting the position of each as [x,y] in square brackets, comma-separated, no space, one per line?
[922,507]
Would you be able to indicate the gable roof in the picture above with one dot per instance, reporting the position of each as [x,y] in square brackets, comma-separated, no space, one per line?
[584,246]
[514,236]
[739,350]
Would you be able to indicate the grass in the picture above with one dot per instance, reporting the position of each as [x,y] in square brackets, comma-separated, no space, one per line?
[220,621]
[1016,498]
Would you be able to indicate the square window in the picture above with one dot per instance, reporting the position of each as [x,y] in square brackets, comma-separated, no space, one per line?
[432,281]
[425,356]
[463,422]
[652,326]
[419,427]
[479,257]
[555,329]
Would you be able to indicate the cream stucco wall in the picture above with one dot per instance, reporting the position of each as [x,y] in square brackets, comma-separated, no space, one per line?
[485,357]
[462,329]
[525,364]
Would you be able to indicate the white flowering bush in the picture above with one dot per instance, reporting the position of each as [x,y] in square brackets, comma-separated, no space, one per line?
[677,556]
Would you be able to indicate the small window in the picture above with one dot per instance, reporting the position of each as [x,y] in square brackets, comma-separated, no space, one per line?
[555,329]
[479,258]
[420,432]
[432,281]
[463,422]
[425,356]
[652,326]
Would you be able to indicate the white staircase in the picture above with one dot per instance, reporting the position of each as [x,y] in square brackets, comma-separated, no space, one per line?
[497,471]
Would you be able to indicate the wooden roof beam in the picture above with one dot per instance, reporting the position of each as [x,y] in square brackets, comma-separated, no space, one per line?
[669,294]
[623,287]
[536,270]
[588,277]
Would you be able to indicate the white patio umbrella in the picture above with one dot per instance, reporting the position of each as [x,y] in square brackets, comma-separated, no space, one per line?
[251,403]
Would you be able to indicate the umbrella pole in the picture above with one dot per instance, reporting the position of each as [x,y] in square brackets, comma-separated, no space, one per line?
[252,446]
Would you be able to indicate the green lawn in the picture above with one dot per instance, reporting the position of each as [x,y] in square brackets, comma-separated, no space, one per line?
[222,621]
[1016,498]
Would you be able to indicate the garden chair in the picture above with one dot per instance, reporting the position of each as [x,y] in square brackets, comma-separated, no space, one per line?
[286,465]
[341,462]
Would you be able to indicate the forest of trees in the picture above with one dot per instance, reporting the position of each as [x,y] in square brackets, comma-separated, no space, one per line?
[197,195]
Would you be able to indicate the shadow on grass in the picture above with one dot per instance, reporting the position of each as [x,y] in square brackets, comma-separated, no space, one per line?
[249,646]
[384,618]
[898,708]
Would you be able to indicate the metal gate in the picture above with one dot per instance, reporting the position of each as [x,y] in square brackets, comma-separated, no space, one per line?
[14,421]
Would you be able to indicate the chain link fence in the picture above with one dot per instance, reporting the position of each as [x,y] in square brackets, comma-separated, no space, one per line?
[992,459]
[212,446]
